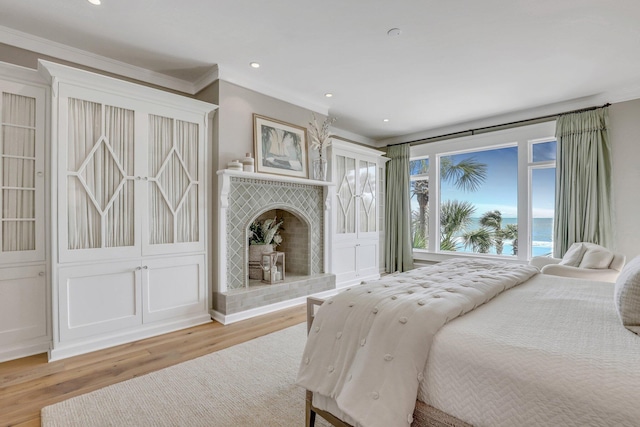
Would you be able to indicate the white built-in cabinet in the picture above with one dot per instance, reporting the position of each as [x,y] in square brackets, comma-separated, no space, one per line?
[130,211]
[357,174]
[24,296]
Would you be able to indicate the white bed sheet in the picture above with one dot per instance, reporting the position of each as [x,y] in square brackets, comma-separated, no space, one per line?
[550,352]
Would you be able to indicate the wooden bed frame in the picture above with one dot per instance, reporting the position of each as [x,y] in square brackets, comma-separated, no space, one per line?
[423,415]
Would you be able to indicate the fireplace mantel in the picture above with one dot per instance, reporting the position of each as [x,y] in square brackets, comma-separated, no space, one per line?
[272,177]
[225,175]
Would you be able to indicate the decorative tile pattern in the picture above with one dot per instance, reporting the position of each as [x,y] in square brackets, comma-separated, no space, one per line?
[248,198]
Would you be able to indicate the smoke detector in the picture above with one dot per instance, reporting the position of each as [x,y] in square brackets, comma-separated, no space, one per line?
[394,32]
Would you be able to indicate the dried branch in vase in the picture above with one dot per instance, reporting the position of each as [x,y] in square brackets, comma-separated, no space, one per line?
[320,137]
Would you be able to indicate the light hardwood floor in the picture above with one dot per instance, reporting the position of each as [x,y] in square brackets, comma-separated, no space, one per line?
[29,384]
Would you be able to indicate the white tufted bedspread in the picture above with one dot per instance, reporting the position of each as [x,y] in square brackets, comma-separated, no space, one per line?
[368,345]
[551,352]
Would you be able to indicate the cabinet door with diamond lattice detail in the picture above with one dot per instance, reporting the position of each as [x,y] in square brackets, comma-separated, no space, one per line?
[367,198]
[99,181]
[174,190]
[346,193]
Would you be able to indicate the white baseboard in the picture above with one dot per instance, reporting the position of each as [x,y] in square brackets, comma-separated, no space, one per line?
[20,351]
[64,350]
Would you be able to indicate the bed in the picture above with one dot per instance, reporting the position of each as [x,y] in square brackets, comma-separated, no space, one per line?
[545,351]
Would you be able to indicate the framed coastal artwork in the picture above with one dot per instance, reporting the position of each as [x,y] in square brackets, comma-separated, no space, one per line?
[280,148]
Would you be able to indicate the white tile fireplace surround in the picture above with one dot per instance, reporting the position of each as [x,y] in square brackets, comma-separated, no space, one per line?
[245,197]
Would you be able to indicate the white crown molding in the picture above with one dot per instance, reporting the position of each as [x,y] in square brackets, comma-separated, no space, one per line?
[353,137]
[43,46]
[57,50]
[206,79]
[55,72]
[624,94]
[21,74]
[612,96]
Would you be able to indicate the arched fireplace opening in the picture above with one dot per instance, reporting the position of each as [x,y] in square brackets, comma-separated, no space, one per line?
[295,236]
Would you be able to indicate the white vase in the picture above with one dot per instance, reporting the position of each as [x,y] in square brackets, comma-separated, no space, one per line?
[320,169]
[248,163]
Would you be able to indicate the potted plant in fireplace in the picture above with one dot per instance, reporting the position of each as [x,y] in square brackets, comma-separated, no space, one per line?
[263,237]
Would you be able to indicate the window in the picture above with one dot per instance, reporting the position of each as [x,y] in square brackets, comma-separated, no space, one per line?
[479,201]
[419,172]
[542,167]
[490,194]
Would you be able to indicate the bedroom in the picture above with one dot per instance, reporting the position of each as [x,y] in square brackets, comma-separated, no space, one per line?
[237,101]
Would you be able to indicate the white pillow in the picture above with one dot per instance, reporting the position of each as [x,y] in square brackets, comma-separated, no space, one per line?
[626,295]
[574,255]
[596,257]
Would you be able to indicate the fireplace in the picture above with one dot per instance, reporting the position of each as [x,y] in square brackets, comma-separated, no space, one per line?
[247,197]
[296,244]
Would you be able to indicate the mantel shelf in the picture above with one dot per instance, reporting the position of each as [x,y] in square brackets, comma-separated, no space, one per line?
[226,173]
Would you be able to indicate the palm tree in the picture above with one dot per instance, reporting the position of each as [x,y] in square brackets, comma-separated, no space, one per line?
[480,240]
[493,221]
[455,216]
[418,238]
[511,232]
[467,174]
[420,189]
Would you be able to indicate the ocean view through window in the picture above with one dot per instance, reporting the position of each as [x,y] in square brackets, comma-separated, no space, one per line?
[491,194]
[542,168]
[475,197]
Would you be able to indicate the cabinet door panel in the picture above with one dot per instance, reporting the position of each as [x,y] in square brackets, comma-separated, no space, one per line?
[346,195]
[175,155]
[97,208]
[367,199]
[359,178]
[345,263]
[173,287]
[98,299]
[367,258]
[23,310]
[21,173]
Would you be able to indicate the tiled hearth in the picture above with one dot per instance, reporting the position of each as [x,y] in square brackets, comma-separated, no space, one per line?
[254,297]
[247,196]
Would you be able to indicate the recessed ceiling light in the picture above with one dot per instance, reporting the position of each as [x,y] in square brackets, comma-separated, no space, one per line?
[328,95]
[394,32]
[385,120]
[96,2]
[255,65]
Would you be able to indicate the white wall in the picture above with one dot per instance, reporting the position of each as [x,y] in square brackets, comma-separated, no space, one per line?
[235,129]
[234,122]
[625,145]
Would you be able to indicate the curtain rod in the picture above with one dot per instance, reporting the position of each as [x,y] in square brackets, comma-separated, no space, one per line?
[494,128]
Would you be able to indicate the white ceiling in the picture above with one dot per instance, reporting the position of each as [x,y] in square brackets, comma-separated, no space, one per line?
[456,61]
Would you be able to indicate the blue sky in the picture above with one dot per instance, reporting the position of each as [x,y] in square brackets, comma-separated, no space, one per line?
[499,191]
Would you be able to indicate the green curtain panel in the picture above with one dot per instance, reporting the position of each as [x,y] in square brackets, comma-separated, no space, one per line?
[398,249]
[583,181]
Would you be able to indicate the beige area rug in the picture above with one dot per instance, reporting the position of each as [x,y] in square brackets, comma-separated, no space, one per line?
[250,384]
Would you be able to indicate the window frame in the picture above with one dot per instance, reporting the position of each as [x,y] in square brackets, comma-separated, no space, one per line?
[523,137]
[531,166]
